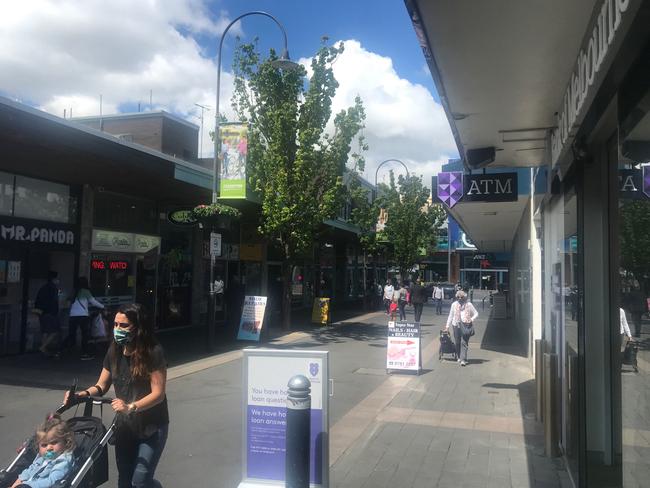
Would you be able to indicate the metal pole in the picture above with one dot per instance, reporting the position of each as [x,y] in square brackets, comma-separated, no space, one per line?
[216,161]
[298,432]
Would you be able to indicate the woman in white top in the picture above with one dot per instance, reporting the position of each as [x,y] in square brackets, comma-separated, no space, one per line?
[462,314]
[80,317]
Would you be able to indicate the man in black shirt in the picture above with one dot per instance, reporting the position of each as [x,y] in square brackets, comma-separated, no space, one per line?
[418,298]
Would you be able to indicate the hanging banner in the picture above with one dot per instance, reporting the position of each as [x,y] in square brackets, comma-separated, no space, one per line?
[320,313]
[454,187]
[252,318]
[403,347]
[266,375]
[234,148]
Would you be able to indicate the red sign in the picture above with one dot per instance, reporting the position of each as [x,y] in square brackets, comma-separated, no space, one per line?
[118,265]
[115,265]
[97,264]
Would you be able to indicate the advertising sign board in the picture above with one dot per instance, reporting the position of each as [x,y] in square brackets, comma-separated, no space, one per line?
[403,347]
[266,374]
[215,244]
[234,148]
[252,318]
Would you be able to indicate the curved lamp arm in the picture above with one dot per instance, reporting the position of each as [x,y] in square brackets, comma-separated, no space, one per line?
[388,161]
[283,62]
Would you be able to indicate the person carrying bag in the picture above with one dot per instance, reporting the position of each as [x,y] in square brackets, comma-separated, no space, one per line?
[462,315]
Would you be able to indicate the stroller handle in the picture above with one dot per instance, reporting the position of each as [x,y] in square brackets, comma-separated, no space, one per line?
[75,400]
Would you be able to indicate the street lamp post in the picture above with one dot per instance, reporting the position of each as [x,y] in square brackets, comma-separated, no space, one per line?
[376,174]
[283,63]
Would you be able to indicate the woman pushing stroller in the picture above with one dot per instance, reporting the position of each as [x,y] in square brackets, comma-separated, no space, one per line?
[135,365]
[461,317]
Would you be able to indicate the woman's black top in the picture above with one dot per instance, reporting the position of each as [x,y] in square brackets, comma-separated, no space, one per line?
[130,389]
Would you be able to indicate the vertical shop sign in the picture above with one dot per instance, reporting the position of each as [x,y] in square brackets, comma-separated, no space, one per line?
[234,148]
[403,348]
[13,271]
[215,244]
[266,374]
[252,318]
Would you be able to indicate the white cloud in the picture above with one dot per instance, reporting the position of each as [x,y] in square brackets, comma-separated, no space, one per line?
[62,54]
[403,121]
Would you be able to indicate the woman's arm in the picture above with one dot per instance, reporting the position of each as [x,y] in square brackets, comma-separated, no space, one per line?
[474,313]
[157,395]
[451,315]
[104,382]
[95,303]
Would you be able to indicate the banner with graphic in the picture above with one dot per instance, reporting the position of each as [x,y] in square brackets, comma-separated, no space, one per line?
[266,375]
[234,149]
[252,318]
[403,347]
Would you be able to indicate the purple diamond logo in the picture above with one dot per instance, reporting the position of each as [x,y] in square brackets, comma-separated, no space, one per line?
[450,187]
[313,369]
[646,180]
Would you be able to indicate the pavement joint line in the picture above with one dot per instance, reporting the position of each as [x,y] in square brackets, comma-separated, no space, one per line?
[227,357]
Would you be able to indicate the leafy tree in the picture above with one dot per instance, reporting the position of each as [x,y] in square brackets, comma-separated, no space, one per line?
[294,165]
[412,222]
[635,240]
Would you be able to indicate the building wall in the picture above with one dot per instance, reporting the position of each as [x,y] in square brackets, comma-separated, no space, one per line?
[520,276]
[147,131]
[179,140]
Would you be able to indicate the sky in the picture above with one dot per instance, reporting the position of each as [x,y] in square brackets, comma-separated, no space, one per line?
[63,54]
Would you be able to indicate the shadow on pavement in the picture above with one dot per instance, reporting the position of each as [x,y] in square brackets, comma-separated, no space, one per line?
[501,335]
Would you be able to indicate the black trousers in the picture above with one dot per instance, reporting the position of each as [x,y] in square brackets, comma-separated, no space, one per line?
[84,324]
[417,310]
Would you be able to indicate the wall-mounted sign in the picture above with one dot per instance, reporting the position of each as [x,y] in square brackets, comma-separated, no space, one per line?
[215,244]
[100,264]
[181,217]
[266,374]
[453,187]
[107,240]
[583,83]
[19,230]
[13,271]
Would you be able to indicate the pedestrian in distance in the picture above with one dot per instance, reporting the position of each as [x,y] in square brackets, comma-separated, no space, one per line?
[135,365]
[47,308]
[438,296]
[388,296]
[402,300]
[418,299]
[462,315]
[55,444]
[393,307]
[83,299]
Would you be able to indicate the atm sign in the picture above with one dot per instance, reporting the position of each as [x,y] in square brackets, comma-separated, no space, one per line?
[99,264]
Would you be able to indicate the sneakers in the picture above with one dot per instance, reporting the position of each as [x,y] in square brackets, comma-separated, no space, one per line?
[87,357]
[458,360]
[463,363]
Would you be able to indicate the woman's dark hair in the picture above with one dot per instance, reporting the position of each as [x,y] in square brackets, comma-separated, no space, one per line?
[143,341]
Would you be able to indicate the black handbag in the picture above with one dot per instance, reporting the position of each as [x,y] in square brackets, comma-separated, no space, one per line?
[467,329]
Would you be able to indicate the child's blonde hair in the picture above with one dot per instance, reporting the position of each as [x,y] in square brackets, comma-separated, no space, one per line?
[60,429]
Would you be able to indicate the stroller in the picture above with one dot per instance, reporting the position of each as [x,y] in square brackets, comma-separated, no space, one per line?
[446,345]
[630,354]
[90,453]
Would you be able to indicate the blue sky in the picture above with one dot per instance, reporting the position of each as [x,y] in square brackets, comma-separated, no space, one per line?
[61,55]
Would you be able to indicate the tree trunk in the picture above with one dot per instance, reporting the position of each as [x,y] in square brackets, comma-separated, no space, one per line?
[286,292]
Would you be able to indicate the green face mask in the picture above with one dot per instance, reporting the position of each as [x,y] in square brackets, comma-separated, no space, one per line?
[122,336]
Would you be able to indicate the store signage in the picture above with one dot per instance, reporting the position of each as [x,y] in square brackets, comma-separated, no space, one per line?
[252,318]
[99,264]
[106,240]
[634,184]
[266,375]
[39,232]
[491,187]
[453,187]
[403,347]
[181,217]
[215,244]
[588,64]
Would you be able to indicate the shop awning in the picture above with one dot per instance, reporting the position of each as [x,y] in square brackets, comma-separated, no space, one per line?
[37,144]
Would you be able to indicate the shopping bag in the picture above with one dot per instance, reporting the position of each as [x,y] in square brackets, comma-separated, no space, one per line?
[98,328]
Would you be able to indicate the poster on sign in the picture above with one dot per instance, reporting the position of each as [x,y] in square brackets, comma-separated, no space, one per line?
[252,318]
[403,347]
[266,375]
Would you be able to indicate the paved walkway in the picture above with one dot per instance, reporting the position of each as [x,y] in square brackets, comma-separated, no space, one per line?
[451,426]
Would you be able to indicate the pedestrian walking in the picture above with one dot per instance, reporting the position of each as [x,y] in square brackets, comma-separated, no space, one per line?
[46,306]
[388,295]
[462,315]
[402,300]
[438,296]
[83,299]
[135,365]
[418,299]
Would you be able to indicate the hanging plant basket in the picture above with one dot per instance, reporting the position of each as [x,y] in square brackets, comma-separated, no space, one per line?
[216,215]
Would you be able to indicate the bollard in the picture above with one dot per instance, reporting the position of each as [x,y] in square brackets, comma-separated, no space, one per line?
[298,432]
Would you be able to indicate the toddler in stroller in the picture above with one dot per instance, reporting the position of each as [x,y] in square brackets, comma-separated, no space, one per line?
[63,454]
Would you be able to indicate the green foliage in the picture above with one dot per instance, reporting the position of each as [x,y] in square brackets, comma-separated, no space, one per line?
[635,239]
[294,166]
[214,209]
[412,222]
